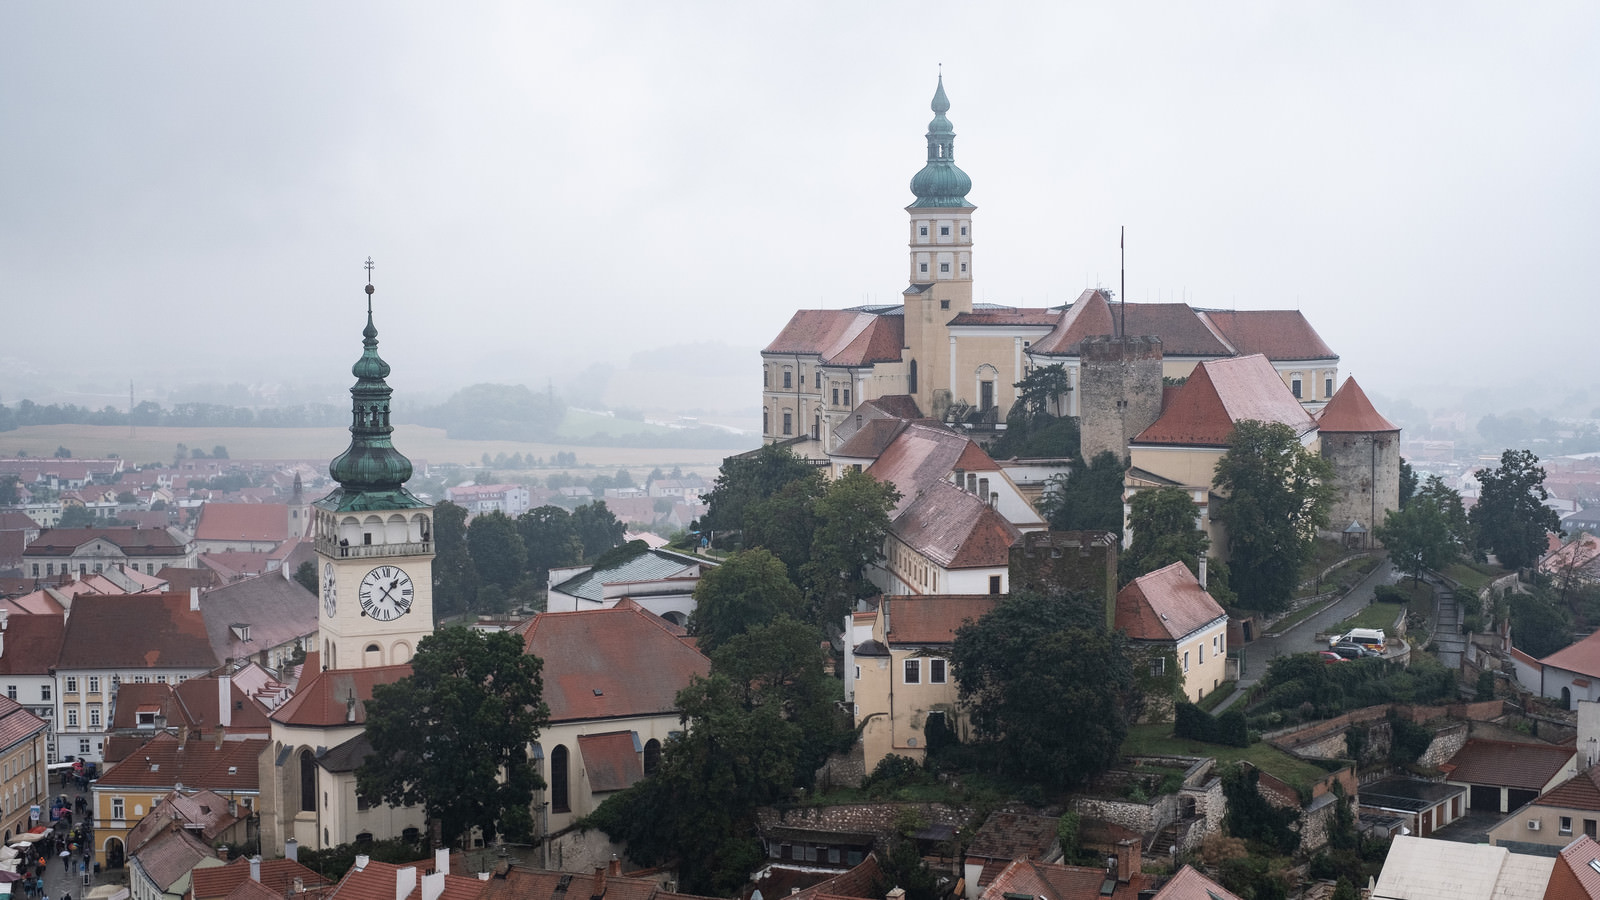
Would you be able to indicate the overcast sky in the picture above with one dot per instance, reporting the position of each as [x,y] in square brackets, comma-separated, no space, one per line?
[190,189]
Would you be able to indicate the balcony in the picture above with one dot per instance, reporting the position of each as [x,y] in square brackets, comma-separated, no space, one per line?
[360,551]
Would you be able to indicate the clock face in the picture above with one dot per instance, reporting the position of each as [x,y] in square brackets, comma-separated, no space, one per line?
[386,593]
[330,591]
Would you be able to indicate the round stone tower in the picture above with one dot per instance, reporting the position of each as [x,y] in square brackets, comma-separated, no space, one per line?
[1364,450]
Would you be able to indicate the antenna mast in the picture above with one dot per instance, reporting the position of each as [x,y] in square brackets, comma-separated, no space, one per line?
[130,407]
[1122,243]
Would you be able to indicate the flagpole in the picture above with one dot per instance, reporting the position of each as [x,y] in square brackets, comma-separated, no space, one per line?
[1123,244]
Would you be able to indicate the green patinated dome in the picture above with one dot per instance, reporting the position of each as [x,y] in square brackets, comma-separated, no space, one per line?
[371,473]
[940,185]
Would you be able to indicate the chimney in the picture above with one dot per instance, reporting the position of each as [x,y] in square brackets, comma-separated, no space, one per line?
[433,886]
[291,850]
[405,881]
[616,866]
[1127,857]
[898,893]
[361,862]
[441,860]
[1202,571]
[599,889]
[224,700]
[299,885]
[255,868]
[194,599]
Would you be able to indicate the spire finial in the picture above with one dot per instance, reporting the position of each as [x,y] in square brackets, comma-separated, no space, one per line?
[370,289]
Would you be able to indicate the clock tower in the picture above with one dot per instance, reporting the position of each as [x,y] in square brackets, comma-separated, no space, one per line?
[374,538]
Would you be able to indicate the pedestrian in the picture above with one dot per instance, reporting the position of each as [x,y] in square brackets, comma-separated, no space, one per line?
[66,862]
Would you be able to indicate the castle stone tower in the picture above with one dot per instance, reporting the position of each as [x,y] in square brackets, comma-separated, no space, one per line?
[940,263]
[1119,391]
[1364,449]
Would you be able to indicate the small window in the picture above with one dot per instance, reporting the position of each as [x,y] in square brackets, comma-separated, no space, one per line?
[1327,387]
[116,808]
[1185,660]
[944,230]
[94,717]
[83,746]
[963,231]
[44,692]
[913,671]
[923,231]
[846,396]
[944,304]
[1158,666]
[944,267]
[11,691]
[1202,654]
[835,396]
[963,268]
[94,684]
[72,717]
[1566,824]
[994,584]
[1294,386]
[788,423]
[936,671]
[72,684]
[923,268]
[788,379]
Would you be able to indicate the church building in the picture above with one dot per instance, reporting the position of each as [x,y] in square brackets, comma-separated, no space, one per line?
[957,360]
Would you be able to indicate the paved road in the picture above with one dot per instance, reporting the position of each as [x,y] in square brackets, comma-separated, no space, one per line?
[1302,637]
[57,881]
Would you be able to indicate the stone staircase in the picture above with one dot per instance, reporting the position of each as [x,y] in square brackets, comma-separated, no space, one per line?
[1447,635]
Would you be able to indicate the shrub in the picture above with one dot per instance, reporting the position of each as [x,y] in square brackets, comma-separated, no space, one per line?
[1232,730]
[1389,593]
[892,773]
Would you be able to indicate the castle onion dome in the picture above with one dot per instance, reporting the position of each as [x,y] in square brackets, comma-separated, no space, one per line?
[940,185]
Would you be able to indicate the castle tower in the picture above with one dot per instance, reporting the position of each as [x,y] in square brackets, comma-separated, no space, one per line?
[374,538]
[1120,390]
[940,264]
[1364,449]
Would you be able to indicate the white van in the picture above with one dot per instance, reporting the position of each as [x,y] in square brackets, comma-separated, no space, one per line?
[1366,637]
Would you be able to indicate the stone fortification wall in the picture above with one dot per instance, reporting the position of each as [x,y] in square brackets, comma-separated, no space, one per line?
[1366,469]
[1141,817]
[1119,392]
[869,818]
[1445,744]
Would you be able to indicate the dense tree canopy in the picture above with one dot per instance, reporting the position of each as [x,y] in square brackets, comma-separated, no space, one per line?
[597,527]
[1165,526]
[455,579]
[852,518]
[550,538]
[1034,663]
[508,412]
[1275,494]
[751,588]
[1037,425]
[748,479]
[1089,498]
[1408,482]
[1510,517]
[453,736]
[497,550]
[1427,533]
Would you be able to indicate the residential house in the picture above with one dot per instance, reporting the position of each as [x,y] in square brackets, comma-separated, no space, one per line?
[370,879]
[1422,807]
[900,676]
[162,868]
[129,790]
[1003,838]
[1122,880]
[206,815]
[477,499]
[266,619]
[24,778]
[1169,610]
[279,877]
[131,638]
[1576,874]
[1503,775]
[30,646]
[661,581]
[87,550]
[1566,811]
[611,679]
[1425,869]
[1189,884]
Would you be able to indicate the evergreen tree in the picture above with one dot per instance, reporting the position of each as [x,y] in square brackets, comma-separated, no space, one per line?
[1511,519]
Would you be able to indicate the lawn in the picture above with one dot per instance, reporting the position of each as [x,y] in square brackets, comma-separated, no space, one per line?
[1473,576]
[1157,740]
[1382,615]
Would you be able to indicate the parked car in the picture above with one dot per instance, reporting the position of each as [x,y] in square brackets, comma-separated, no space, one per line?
[1367,637]
[1350,650]
[1328,656]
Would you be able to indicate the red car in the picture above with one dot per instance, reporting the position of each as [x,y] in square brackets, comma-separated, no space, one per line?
[1328,656]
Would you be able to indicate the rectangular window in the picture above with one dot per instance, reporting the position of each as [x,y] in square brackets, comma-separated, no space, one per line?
[913,671]
[36,570]
[116,808]
[788,423]
[94,717]
[83,746]
[963,268]
[963,231]
[1589,827]
[1295,387]
[94,684]
[922,231]
[1327,387]
[944,230]
[835,396]
[788,379]
[846,396]
[944,267]
[936,671]
[1566,824]
[1186,661]
[994,584]
[923,268]
[72,684]
[44,692]
[11,691]
[1158,666]
[162,679]
[72,717]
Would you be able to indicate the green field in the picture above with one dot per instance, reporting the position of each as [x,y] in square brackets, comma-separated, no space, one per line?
[429,444]
[1157,740]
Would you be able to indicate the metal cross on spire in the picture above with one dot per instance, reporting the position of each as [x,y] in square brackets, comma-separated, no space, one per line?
[369,264]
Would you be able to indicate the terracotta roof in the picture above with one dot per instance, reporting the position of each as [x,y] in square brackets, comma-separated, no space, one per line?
[1189,884]
[1350,410]
[841,337]
[16,723]
[1576,875]
[871,439]
[346,757]
[232,565]
[933,619]
[276,611]
[609,663]
[324,702]
[901,406]
[172,856]
[182,580]
[1508,764]
[197,703]
[377,881]
[1089,315]
[243,522]
[1180,328]
[1221,392]
[523,883]
[923,453]
[1055,882]
[860,881]
[881,341]
[32,643]
[611,760]
[276,874]
[1009,835]
[1581,791]
[1282,334]
[1019,316]
[1165,605]
[132,541]
[1582,657]
[955,529]
[206,809]
[201,764]
[134,697]
[136,631]
[250,890]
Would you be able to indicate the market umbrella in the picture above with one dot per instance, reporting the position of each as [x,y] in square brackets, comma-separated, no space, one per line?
[6,877]
[65,853]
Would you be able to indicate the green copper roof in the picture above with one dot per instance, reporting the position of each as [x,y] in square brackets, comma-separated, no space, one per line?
[940,185]
[371,472]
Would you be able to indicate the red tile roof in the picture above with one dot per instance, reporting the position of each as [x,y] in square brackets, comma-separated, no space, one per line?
[172,856]
[1221,392]
[610,663]
[1165,605]
[276,874]
[1181,330]
[955,529]
[1350,410]
[324,702]
[1019,316]
[1582,657]
[197,703]
[377,881]
[136,631]
[881,341]
[16,723]
[1278,334]
[1581,791]
[1576,875]
[32,643]
[162,762]
[134,697]
[1054,882]
[1009,835]
[1189,884]
[923,453]
[243,522]
[206,809]
[901,406]
[871,439]
[933,619]
[1507,764]
[132,541]
[861,882]
[611,760]
[840,337]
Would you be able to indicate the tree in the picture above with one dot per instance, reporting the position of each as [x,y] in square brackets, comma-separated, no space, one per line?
[453,736]
[853,519]
[1418,538]
[1089,498]
[1510,516]
[1448,502]
[9,495]
[497,550]
[1275,494]
[597,527]
[1539,624]
[550,538]
[749,478]
[1165,530]
[305,575]
[455,579]
[1036,425]
[782,664]
[1033,663]
[1408,482]
[77,517]
[219,452]
[751,588]
[786,522]
[63,453]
